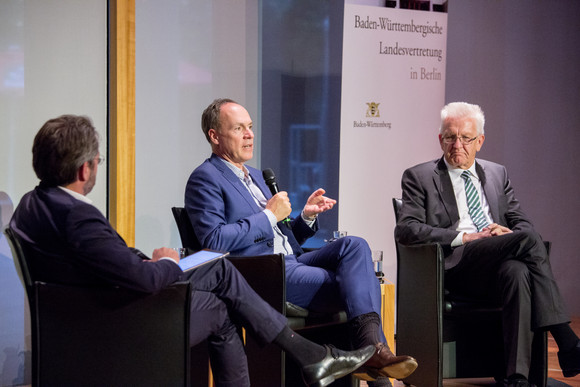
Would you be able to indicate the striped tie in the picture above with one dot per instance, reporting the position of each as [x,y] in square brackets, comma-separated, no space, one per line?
[473,203]
[255,191]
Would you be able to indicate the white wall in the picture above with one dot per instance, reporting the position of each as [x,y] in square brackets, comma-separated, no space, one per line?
[187,54]
[53,60]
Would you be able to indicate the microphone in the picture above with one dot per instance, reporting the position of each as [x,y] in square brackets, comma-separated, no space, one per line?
[270,179]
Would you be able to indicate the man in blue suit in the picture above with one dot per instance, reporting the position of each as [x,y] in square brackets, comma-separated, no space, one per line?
[72,243]
[231,209]
[491,249]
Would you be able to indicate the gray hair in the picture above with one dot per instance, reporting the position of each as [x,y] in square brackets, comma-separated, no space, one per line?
[463,110]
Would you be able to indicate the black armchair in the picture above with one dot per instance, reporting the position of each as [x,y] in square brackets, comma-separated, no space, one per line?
[449,335]
[266,274]
[85,336]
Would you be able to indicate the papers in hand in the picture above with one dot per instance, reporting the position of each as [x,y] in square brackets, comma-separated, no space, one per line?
[199,258]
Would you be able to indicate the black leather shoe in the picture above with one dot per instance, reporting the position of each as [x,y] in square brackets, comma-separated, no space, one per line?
[570,361]
[516,380]
[336,364]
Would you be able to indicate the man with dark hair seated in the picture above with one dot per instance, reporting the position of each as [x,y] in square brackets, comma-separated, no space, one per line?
[72,243]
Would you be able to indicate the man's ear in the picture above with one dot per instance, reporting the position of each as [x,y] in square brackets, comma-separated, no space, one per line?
[479,143]
[84,172]
[213,136]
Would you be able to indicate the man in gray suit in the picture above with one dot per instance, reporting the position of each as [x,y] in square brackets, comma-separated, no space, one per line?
[491,247]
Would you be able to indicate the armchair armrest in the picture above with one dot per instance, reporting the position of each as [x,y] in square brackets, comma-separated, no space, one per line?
[420,307]
[106,336]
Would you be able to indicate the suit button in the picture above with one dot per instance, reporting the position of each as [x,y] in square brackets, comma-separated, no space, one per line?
[270,244]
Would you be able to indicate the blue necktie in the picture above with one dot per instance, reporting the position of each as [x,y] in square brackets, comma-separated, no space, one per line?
[473,202]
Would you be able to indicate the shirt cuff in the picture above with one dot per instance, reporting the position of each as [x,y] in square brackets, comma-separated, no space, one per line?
[168,258]
[309,222]
[271,217]
[458,241]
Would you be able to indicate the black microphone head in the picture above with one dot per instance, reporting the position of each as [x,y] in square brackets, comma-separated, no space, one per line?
[270,179]
[268,175]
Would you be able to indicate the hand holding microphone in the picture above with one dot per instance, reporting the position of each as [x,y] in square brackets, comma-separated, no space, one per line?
[279,204]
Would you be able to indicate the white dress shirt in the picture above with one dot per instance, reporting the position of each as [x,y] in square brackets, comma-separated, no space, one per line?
[466,225]
[281,244]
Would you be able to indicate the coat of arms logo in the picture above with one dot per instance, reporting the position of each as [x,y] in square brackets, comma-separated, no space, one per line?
[373,109]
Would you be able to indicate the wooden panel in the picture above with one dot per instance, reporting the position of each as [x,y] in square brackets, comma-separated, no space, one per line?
[388,313]
[122,118]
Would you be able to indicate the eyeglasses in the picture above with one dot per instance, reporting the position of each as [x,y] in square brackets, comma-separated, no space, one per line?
[463,139]
[100,159]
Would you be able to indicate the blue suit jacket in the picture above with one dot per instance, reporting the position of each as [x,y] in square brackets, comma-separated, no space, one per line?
[225,216]
[72,243]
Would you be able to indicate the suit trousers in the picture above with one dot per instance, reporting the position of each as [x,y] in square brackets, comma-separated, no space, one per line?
[514,271]
[338,276]
[222,301]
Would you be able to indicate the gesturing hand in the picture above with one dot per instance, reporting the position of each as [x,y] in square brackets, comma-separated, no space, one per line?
[317,203]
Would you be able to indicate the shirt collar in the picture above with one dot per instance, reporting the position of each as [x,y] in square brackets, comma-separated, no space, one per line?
[241,173]
[456,172]
[77,195]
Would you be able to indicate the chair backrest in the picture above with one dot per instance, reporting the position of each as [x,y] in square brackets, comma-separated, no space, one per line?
[89,336]
[186,233]
[19,261]
[397,204]
[6,209]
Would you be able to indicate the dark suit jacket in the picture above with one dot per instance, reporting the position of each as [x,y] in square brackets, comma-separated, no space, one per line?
[73,243]
[225,216]
[429,213]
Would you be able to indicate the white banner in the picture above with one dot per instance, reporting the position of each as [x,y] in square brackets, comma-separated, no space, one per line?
[393,87]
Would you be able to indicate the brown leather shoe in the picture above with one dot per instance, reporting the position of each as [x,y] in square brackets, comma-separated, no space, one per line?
[385,363]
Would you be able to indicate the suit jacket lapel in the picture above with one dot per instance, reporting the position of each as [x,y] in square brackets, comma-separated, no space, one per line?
[235,181]
[489,190]
[445,188]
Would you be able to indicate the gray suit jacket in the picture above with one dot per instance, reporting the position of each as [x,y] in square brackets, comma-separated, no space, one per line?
[429,213]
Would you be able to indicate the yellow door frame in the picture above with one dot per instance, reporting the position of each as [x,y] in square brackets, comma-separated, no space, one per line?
[122,118]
